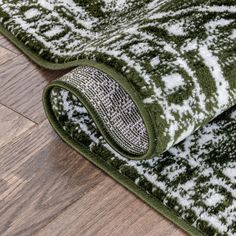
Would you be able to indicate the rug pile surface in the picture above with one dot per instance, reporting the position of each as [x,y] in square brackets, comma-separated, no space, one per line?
[152,100]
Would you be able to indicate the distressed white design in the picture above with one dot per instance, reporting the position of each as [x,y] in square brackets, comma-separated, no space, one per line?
[213,64]
[176,29]
[233,35]
[214,24]
[173,82]
[54,31]
[155,61]
[32,12]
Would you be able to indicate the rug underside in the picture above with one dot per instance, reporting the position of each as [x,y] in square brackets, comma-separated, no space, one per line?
[152,101]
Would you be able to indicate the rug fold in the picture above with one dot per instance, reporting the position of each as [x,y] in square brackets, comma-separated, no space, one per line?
[112,108]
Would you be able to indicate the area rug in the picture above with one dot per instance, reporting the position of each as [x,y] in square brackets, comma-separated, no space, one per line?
[151,100]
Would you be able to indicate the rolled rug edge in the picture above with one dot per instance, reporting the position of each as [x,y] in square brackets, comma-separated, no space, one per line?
[155,146]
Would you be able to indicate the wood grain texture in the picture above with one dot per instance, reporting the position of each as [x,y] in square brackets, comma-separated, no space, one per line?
[5,55]
[12,125]
[116,213]
[41,177]
[9,46]
[46,187]
[22,83]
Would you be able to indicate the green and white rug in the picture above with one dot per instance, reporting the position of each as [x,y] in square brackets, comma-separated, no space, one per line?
[152,100]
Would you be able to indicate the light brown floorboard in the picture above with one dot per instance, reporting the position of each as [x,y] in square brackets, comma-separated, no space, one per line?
[107,210]
[22,84]
[8,45]
[48,189]
[5,55]
[40,178]
[12,125]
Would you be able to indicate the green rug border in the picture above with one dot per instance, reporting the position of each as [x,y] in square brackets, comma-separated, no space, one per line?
[138,191]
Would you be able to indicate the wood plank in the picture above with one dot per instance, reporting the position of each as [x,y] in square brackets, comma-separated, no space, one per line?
[40,177]
[109,209]
[5,55]
[12,125]
[48,189]
[5,43]
[22,83]
[178,232]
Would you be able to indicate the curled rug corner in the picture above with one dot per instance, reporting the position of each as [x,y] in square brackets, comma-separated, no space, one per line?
[112,109]
[152,100]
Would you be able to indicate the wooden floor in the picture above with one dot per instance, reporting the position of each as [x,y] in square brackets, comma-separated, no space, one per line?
[46,188]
